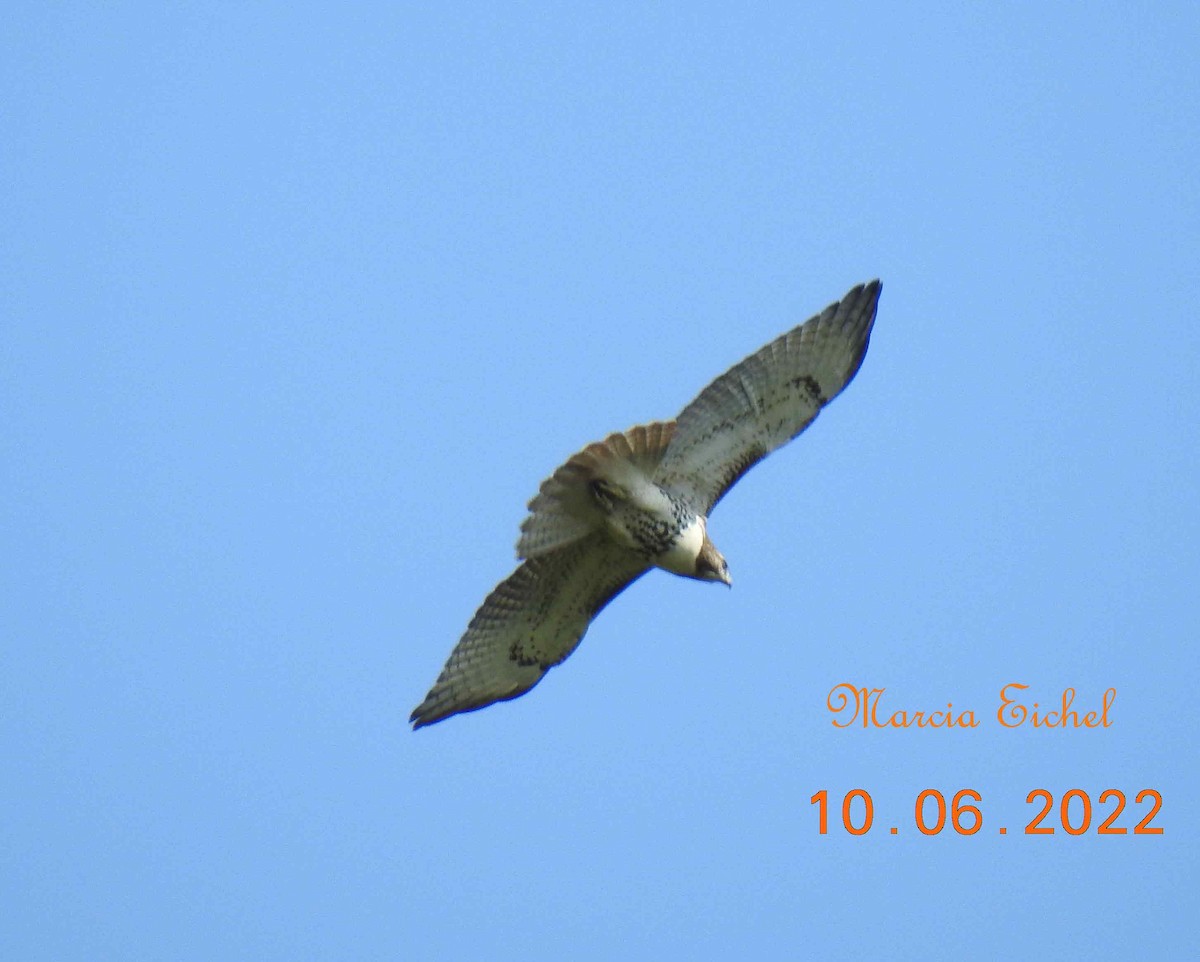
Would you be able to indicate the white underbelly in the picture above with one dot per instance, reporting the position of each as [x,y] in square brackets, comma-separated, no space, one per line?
[680,558]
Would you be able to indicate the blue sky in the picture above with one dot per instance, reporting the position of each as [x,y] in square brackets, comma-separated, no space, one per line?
[300,303]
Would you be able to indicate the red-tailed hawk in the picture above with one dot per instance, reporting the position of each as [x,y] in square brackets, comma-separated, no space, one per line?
[641,499]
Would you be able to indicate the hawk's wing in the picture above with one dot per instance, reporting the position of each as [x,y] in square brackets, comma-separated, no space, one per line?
[766,400]
[529,623]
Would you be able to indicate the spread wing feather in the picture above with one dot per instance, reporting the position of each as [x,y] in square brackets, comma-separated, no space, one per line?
[766,400]
[529,623]
[563,510]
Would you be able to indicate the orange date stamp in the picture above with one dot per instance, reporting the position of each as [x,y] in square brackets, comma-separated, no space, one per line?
[964,813]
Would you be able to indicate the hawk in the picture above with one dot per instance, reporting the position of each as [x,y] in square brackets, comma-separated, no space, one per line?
[640,499]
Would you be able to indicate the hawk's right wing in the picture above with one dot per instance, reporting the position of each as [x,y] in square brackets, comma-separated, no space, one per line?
[766,400]
[531,622]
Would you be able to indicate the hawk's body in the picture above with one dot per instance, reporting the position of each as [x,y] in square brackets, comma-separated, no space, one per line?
[641,499]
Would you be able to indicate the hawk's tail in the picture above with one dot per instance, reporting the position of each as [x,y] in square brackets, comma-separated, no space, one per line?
[563,510]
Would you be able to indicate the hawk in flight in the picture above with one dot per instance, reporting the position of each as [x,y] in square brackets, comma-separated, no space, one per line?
[640,499]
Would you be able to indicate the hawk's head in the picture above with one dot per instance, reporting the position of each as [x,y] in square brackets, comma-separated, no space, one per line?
[711,565]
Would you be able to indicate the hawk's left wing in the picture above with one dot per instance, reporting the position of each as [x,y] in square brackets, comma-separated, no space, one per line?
[766,400]
[531,622]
